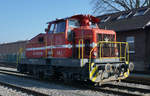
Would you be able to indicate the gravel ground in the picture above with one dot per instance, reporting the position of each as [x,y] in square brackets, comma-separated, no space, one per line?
[5,91]
[59,90]
[50,88]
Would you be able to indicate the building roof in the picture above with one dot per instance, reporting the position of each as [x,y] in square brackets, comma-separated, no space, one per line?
[126,20]
[17,42]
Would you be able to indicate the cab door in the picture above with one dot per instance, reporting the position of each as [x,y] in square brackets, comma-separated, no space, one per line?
[59,41]
[49,41]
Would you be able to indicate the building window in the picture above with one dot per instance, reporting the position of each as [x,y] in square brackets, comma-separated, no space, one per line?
[123,16]
[114,19]
[130,41]
[141,12]
[105,19]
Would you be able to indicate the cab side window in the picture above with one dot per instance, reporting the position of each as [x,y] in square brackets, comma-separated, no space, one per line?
[60,27]
[41,39]
[51,28]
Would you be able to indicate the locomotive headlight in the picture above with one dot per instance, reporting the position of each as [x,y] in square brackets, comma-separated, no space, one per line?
[117,53]
[93,45]
[108,67]
[131,66]
[95,54]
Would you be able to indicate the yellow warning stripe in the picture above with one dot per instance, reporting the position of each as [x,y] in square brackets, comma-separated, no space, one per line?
[92,65]
[93,71]
[126,74]
[94,78]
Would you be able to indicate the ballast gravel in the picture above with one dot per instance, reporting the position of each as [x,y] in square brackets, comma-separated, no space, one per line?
[54,89]
[5,91]
[48,88]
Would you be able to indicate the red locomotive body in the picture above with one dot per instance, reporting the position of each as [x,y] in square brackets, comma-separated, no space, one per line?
[78,44]
[56,39]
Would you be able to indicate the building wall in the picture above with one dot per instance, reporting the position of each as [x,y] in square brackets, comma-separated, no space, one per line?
[9,51]
[147,49]
[139,57]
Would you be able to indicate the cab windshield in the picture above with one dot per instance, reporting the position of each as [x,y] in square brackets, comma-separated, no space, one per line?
[74,23]
[93,25]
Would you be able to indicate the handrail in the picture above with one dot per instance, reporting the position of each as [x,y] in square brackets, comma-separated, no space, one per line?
[120,51]
[100,52]
[19,55]
[79,53]
[46,48]
[126,51]
[51,50]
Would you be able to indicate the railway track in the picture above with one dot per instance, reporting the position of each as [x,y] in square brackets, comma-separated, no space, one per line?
[107,88]
[137,81]
[120,90]
[6,64]
[21,89]
[127,90]
[128,80]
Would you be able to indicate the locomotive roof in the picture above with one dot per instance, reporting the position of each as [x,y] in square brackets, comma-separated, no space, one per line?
[79,17]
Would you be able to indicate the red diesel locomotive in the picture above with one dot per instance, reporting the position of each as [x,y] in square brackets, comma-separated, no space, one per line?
[74,48]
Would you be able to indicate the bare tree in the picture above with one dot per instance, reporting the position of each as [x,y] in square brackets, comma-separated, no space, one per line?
[110,6]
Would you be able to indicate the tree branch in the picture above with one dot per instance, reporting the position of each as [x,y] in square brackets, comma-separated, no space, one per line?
[145,3]
[137,4]
[117,5]
[122,4]
[106,1]
[131,4]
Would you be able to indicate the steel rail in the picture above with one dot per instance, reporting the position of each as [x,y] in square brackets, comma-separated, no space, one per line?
[120,87]
[25,90]
[93,88]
